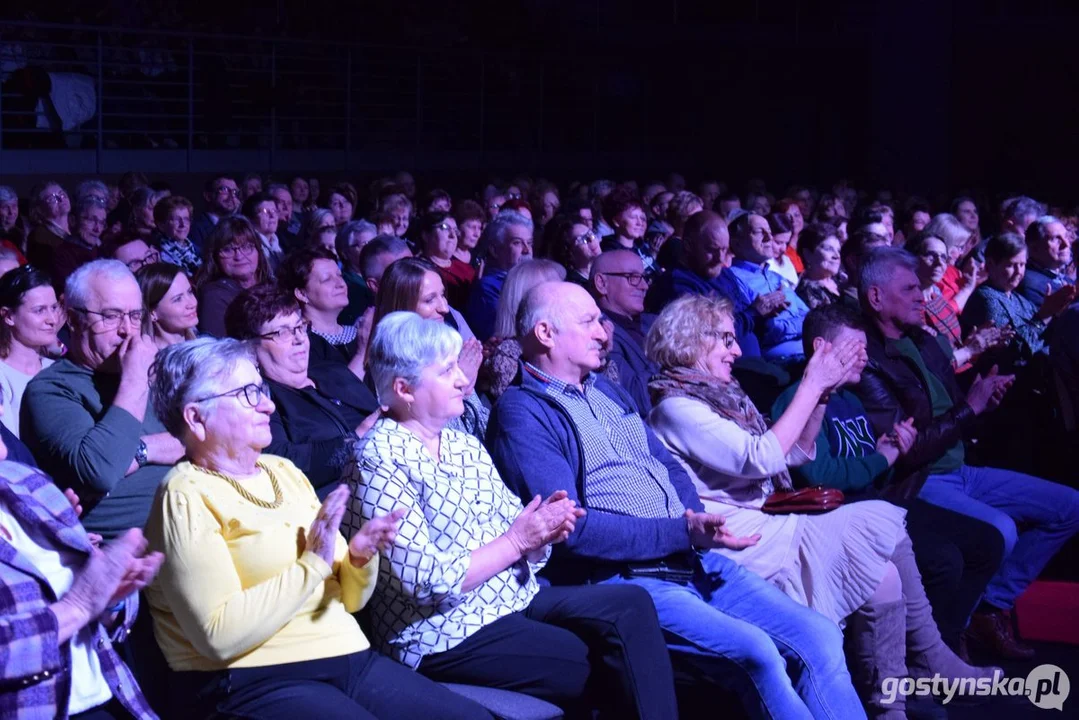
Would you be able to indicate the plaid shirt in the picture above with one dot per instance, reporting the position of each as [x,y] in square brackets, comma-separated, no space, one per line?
[621,474]
[34,667]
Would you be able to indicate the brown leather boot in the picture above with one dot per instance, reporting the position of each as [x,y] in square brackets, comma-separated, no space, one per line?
[992,632]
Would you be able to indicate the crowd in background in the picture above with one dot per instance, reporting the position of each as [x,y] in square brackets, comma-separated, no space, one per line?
[526,437]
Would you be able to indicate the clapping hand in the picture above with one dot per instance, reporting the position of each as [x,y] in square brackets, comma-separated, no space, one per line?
[706,531]
[321,537]
[1055,302]
[832,365]
[470,359]
[543,522]
[988,336]
[769,304]
[375,535]
[987,392]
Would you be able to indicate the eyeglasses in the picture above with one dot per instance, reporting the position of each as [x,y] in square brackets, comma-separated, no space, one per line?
[55,198]
[268,212]
[446,227]
[252,394]
[111,319]
[227,191]
[634,279]
[585,239]
[935,257]
[285,334]
[237,250]
[726,338]
[139,263]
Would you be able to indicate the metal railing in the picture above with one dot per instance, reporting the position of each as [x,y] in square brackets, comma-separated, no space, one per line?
[277,101]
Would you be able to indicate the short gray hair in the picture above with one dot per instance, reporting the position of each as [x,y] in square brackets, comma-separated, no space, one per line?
[1022,207]
[496,234]
[404,344]
[1039,229]
[86,187]
[880,263]
[353,227]
[77,288]
[536,306]
[8,194]
[189,370]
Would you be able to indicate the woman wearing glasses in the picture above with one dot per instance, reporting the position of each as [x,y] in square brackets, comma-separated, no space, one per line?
[438,241]
[854,564]
[29,319]
[320,408]
[571,243]
[233,263]
[81,246]
[50,208]
[252,606]
[261,210]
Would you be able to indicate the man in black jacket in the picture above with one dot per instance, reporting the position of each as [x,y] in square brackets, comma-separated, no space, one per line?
[910,375]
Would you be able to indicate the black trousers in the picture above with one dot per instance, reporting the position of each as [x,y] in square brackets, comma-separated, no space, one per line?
[360,686]
[595,645]
[112,710]
[957,556]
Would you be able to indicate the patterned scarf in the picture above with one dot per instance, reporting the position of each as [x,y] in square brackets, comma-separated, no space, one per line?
[727,400]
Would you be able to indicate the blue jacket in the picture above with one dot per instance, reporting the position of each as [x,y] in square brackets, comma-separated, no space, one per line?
[679,281]
[538,450]
[483,303]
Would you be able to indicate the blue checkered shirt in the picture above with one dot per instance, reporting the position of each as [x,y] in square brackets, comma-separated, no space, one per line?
[621,475]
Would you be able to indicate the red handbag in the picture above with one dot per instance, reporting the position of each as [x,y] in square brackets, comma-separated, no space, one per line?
[806,500]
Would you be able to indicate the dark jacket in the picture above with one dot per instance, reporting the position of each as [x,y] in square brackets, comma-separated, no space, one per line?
[673,284]
[892,389]
[627,353]
[314,427]
[538,450]
[200,230]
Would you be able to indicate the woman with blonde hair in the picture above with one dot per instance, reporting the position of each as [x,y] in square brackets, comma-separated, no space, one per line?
[854,564]
[502,352]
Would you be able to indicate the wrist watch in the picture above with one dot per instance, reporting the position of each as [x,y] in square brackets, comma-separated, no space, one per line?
[140,454]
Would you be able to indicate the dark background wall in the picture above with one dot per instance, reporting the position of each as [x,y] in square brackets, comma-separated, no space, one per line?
[931,96]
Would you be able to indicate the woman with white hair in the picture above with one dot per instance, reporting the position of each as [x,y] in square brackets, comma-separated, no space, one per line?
[459,600]
[252,608]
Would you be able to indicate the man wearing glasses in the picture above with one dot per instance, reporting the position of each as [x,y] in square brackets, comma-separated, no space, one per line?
[222,198]
[619,286]
[87,418]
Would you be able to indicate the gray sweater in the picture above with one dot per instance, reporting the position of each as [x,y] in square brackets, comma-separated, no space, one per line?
[84,443]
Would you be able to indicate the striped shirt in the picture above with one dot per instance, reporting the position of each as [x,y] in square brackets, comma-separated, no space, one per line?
[621,475]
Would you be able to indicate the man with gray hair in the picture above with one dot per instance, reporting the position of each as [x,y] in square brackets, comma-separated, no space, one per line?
[87,418]
[507,240]
[1018,214]
[379,254]
[909,375]
[1047,255]
[564,427]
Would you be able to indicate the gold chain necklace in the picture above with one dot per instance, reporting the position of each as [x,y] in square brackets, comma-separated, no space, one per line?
[278,498]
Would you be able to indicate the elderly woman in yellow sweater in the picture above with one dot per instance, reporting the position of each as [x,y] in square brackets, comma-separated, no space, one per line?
[253,606]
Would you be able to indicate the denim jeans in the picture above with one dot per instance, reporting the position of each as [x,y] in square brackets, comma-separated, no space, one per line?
[1003,498]
[749,633]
